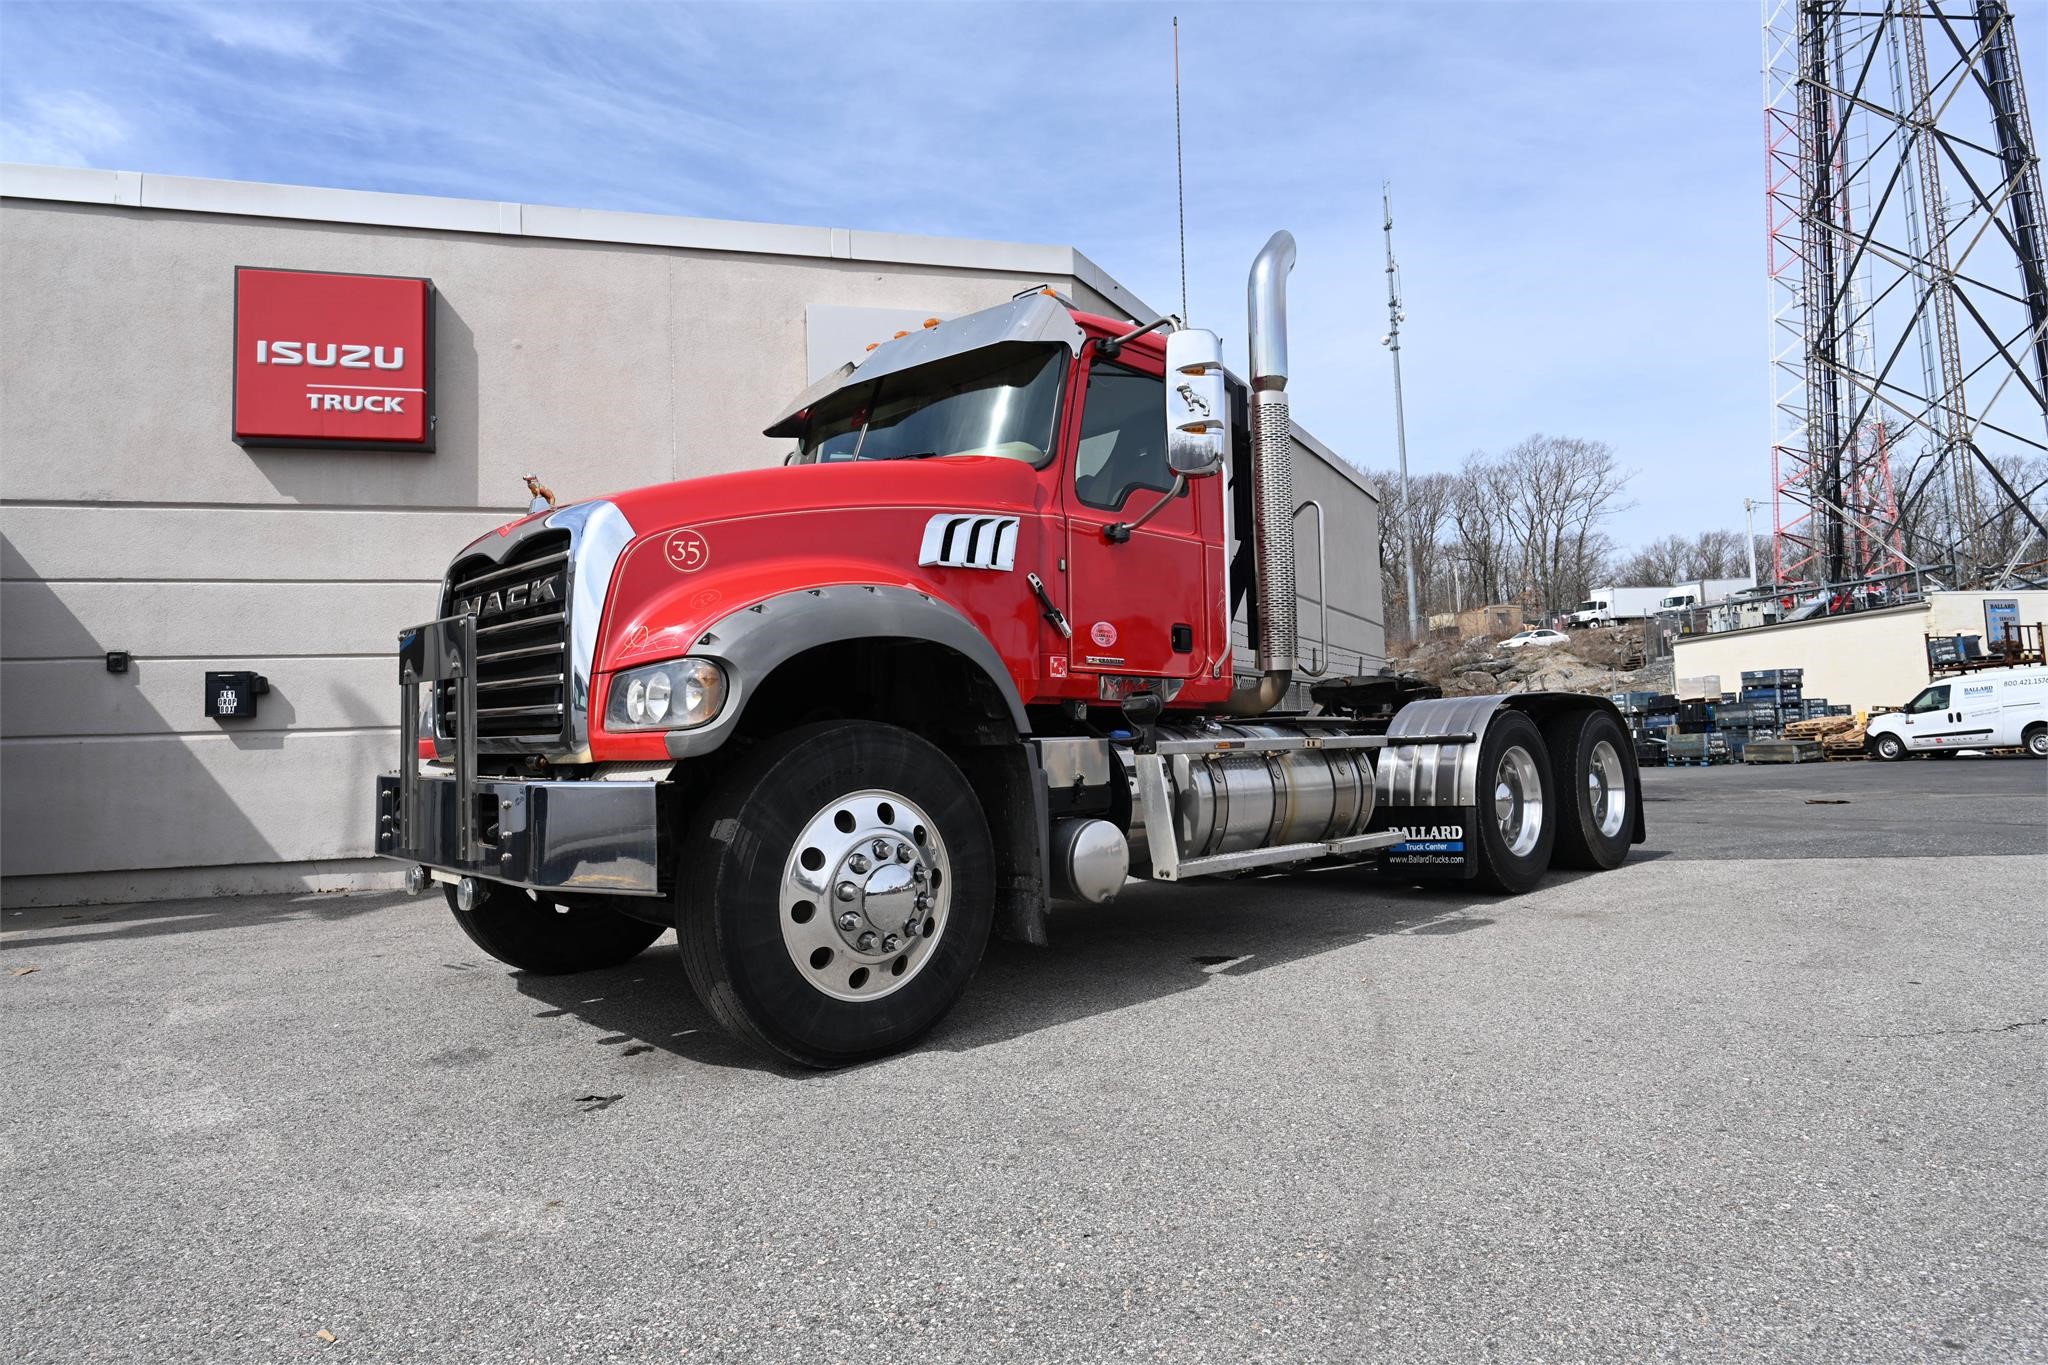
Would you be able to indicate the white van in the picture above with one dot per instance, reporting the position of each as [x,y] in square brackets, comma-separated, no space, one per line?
[1999,708]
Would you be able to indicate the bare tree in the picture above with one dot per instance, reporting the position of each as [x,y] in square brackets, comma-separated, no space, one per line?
[1677,559]
[1565,487]
[1432,496]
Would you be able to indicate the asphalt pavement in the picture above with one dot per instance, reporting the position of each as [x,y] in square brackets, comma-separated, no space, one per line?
[1774,1090]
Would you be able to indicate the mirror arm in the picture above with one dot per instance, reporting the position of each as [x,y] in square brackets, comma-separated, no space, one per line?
[1110,349]
[1119,532]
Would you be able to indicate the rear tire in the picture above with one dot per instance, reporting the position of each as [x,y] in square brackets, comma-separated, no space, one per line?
[1516,817]
[1890,748]
[539,937]
[836,892]
[1597,789]
[2035,741]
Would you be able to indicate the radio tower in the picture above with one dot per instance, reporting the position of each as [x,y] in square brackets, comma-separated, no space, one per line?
[1908,258]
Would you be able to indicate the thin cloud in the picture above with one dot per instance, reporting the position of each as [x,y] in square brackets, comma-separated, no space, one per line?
[270,31]
[68,128]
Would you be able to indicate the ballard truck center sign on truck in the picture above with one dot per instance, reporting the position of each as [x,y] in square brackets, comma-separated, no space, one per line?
[325,360]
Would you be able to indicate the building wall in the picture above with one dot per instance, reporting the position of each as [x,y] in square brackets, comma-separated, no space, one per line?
[129,520]
[1873,658]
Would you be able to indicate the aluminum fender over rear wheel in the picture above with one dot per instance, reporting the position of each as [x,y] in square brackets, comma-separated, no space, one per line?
[541,937]
[836,892]
[1888,747]
[1516,817]
[1592,768]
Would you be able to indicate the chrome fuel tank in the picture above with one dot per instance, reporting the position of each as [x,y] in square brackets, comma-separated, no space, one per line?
[1227,802]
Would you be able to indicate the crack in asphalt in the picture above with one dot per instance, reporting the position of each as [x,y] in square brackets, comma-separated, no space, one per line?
[1951,1032]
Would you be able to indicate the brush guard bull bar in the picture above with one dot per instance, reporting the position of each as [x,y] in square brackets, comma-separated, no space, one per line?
[544,835]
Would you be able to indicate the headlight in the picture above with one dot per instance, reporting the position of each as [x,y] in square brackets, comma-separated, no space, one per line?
[671,696]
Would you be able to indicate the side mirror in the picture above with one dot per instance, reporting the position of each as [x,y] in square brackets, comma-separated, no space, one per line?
[1197,407]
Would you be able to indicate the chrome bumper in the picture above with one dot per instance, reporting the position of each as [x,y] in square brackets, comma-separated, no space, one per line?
[563,836]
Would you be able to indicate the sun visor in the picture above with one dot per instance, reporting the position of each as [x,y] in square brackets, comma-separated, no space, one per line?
[790,422]
[1035,317]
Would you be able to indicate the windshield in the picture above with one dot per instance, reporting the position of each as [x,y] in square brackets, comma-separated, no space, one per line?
[1589,606]
[999,400]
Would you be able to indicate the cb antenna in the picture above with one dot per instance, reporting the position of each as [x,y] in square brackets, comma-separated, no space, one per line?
[1180,183]
[1393,344]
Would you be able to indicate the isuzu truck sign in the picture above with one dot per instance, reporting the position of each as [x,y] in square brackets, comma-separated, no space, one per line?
[324,360]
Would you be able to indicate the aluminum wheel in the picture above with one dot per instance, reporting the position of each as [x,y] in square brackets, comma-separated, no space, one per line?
[1518,800]
[865,895]
[1607,787]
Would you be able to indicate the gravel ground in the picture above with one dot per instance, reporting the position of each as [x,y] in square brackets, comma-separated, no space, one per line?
[1772,1091]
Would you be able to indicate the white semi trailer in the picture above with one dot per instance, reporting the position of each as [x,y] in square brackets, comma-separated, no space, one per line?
[1607,606]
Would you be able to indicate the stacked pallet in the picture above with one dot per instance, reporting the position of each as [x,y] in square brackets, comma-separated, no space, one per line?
[1819,727]
[1845,743]
[1782,751]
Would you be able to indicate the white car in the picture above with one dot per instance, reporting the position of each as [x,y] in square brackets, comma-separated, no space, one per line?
[1996,708]
[1540,636]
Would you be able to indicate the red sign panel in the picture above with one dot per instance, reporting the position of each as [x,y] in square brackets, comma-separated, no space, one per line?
[333,360]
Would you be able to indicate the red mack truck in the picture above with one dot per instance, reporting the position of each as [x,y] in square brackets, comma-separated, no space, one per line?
[968,651]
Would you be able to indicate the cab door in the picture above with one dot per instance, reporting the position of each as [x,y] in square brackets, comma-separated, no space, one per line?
[1927,718]
[1136,602]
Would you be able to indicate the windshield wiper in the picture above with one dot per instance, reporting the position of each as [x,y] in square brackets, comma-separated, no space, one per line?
[913,455]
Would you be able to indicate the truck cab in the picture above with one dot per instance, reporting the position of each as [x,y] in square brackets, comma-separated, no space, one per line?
[1594,611]
[970,649]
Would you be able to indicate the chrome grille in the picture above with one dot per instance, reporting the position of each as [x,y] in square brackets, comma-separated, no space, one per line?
[522,640]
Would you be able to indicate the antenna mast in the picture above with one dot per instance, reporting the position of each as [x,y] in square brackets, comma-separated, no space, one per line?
[1180,183]
[1393,344]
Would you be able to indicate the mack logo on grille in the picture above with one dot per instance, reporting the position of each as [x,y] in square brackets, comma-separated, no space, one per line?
[498,601]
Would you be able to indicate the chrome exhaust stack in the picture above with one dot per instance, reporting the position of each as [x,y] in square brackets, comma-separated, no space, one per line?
[1272,433]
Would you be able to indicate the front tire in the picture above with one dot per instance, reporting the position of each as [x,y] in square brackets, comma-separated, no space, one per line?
[1890,748]
[2035,741]
[836,892]
[550,940]
[1597,789]
[1516,816]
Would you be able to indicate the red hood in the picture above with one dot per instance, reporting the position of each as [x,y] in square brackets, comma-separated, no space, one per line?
[963,481]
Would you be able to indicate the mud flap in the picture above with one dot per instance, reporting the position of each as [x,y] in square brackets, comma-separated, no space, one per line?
[1439,843]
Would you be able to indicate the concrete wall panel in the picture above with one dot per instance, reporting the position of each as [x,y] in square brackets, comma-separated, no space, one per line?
[1869,659]
[130,542]
[83,805]
[47,698]
[205,620]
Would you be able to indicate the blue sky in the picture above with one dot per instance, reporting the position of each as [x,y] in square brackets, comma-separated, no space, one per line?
[1578,187]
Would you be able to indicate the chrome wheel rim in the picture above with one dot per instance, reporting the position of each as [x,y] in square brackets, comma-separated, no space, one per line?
[1518,801]
[1607,789]
[866,892]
